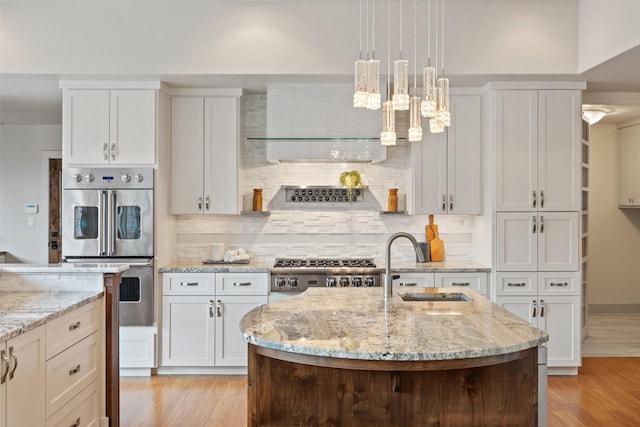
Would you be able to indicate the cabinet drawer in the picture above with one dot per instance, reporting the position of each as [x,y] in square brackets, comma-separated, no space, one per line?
[71,371]
[409,280]
[189,284]
[67,330]
[521,283]
[242,283]
[82,411]
[475,281]
[558,283]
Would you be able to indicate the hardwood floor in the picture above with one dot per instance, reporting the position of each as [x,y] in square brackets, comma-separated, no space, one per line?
[605,393]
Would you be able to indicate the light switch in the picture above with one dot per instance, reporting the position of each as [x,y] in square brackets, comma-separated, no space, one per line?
[31,222]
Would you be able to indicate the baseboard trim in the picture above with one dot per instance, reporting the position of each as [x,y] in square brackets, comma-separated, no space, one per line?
[614,308]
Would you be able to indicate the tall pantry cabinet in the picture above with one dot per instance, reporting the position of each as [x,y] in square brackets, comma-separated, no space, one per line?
[537,162]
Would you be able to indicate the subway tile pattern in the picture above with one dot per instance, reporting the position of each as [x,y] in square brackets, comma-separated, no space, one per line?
[317,229]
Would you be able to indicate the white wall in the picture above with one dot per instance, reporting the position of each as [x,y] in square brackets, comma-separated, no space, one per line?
[21,182]
[614,234]
[311,37]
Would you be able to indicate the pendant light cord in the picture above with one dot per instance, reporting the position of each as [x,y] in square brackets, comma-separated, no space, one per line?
[388,49]
[360,28]
[442,38]
[401,19]
[429,33]
[415,47]
[373,28]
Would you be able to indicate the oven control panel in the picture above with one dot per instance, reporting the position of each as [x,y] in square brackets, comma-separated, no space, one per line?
[299,282]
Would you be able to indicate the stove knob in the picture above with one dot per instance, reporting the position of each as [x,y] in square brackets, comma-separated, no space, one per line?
[369,282]
[281,282]
[356,281]
[344,282]
[138,177]
[76,177]
[88,177]
[292,282]
[125,177]
[331,282]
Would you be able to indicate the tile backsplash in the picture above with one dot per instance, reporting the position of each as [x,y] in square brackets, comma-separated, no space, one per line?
[316,229]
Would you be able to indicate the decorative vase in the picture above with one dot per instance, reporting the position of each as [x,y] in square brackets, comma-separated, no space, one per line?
[393,200]
[257,199]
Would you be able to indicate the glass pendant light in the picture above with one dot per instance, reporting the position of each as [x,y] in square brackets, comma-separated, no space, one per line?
[401,77]
[373,68]
[443,115]
[428,105]
[388,134]
[360,84]
[415,123]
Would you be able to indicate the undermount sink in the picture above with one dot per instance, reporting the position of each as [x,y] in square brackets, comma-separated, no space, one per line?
[435,296]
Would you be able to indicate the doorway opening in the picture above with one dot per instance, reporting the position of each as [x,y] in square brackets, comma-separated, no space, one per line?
[55,194]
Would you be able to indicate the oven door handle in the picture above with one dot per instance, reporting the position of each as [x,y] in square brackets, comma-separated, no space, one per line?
[111,223]
[102,222]
[137,264]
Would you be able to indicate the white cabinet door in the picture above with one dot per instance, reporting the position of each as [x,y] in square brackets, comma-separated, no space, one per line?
[85,127]
[560,318]
[628,159]
[559,150]
[231,348]
[538,150]
[528,241]
[24,387]
[523,307]
[204,155]
[187,145]
[517,241]
[132,127]
[446,167]
[558,241]
[221,189]
[516,149]
[188,328]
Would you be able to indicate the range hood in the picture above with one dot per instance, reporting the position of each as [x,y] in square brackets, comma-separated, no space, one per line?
[316,122]
[320,150]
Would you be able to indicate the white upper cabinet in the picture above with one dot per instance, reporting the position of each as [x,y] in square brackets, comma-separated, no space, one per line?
[109,127]
[538,150]
[204,155]
[628,161]
[446,167]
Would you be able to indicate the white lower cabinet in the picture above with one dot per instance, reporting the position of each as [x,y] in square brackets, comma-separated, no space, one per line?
[549,301]
[475,281]
[201,317]
[22,381]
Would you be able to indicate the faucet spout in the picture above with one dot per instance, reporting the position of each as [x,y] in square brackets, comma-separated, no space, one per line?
[387,282]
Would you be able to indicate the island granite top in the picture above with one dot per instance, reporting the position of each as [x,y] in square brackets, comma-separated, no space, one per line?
[355,323]
[23,311]
[64,267]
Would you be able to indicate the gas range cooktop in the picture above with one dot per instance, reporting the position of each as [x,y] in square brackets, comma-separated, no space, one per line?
[324,262]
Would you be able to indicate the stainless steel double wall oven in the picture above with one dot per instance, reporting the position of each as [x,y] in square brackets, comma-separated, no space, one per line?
[107,216]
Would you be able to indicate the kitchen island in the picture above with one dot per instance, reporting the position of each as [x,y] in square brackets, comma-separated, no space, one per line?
[345,356]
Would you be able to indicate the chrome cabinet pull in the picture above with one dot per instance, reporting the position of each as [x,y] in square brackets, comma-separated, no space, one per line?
[541,224]
[541,308]
[113,151]
[189,283]
[450,202]
[219,308]
[206,203]
[559,284]
[444,202]
[460,284]
[76,424]
[535,308]
[210,308]
[200,203]
[5,366]
[534,198]
[74,370]
[541,198]
[105,148]
[241,283]
[15,362]
[516,285]
[534,224]
[408,284]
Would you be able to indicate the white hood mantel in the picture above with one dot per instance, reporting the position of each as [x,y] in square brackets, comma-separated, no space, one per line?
[316,122]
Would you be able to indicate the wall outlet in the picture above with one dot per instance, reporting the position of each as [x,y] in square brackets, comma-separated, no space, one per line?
[31,222]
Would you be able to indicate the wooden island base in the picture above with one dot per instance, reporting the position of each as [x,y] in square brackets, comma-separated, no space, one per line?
[287,389]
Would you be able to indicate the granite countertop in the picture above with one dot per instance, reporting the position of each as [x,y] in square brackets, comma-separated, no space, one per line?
[23,311]
[64,267]
[354,323]
[435,267]
[199,267]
